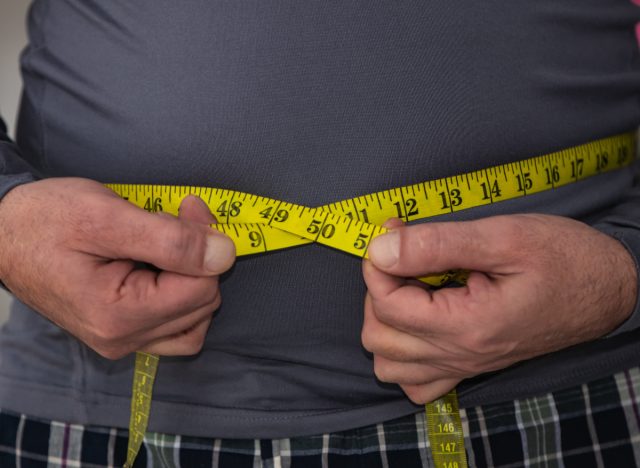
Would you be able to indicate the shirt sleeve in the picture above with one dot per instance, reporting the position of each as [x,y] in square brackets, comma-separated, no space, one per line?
[623,223]
[13,169]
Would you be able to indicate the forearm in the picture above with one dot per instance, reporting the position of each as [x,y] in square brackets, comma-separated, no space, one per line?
[622,222]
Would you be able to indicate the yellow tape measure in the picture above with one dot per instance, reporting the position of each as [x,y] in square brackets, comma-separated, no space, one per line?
[258,224]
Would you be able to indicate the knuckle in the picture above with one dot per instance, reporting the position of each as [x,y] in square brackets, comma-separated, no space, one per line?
[96,294]
[107,332]
[209,298]
[103,341]
[380,369]
[385,348]
[107,337]
[386,311]
[216,302]
[380,310]
[194,343]
[213,295]
[415,393]
[369,334]
[110,351]
[368,339]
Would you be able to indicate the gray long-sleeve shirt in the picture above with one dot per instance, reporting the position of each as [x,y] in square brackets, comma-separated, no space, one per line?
[309,102]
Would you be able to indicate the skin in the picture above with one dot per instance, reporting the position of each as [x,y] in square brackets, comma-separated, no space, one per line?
[82,269]
[539,284]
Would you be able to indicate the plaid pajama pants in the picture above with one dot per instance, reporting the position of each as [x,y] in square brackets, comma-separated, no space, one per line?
[593,425]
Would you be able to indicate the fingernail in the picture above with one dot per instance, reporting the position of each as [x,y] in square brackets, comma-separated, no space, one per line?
[220,253]
[384,250]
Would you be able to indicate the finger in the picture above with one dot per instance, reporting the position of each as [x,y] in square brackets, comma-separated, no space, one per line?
[403,306]
[184,322]
[406,373]
[136,340]
[367,266]
[392,223]
[488,245]
[194,209]
[178,245]
[447,312]
[378,282]
[154,297]
[185,343]
[426,393]
[403,358]
[415,311]
[391,343]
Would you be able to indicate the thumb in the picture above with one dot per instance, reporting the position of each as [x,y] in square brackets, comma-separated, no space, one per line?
[429,248]
[185,245]
[194,209]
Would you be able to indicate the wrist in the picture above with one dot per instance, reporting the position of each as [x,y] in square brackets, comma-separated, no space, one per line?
[627,307]
[7,236]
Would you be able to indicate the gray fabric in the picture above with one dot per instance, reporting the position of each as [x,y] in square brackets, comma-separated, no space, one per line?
[13,170]
[623,223]
[309,102]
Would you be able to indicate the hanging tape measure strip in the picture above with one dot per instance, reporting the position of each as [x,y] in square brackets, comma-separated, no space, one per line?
[258,224]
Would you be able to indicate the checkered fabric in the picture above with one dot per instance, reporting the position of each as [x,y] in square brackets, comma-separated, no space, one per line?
[593,425]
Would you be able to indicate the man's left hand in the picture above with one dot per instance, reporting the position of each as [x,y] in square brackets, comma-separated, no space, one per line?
[538,284]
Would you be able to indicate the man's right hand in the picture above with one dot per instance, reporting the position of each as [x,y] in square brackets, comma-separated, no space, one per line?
[72,250]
